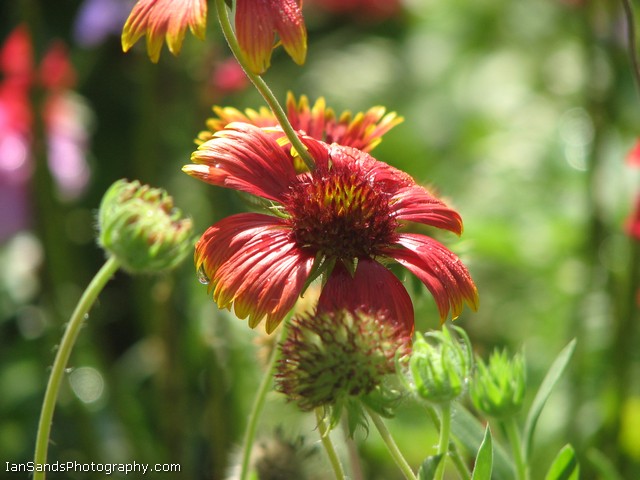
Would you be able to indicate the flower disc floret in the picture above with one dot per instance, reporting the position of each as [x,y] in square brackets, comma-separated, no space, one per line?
[339,214]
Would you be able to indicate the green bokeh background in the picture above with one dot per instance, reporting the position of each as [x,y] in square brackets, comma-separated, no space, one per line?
[519,114]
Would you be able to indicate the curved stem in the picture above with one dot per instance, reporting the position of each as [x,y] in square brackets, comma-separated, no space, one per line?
[328,445]
[260,84]
[391,445]
[258,405]
[511,427]
[62,357]
[443,444]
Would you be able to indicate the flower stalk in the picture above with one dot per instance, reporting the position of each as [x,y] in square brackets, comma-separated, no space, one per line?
[261,85]
[62,358]
[258,406]
[388,440]
[511,427]
[324,431]
[443,444]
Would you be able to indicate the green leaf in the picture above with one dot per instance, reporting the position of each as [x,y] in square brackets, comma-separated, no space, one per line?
[484,459]
[429,466]
[565,466]
[468,430]
[550,380]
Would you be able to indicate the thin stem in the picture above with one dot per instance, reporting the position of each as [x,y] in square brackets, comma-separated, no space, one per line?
[459,463]
[443,444]
[631,40]
[328,445]
[391,445]
[62,358]
[258,405]
[260,84]
[511,427]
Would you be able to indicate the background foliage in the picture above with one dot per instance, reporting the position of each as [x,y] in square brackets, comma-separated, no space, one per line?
[519,113]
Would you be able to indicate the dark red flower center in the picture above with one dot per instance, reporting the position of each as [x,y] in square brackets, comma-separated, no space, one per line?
[340,214]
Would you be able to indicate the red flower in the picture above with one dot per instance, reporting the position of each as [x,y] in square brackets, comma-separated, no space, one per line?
[363,131]
[342,219]
[633,157]
[632,224]
[257,22]
[164,18]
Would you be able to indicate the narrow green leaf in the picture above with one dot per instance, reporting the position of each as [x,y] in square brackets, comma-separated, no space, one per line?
[565,466]
[550,380]
[484,459]
[429,466]
[468,430]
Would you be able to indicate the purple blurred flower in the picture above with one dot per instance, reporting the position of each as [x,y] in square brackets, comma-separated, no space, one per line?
[97,19]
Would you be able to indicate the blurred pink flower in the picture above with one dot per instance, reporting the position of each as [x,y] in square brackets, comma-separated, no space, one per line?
[65,125]
[632,224]
[228,77]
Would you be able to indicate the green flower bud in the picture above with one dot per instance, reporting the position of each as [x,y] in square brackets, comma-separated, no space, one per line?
[141,228]
[440,365]
[498,388]
[331,356]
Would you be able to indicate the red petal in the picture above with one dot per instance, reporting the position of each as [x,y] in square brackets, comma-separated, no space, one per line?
[245,158]
[256,24]
[415,204]
[253,266]
[373,287]
[440,270]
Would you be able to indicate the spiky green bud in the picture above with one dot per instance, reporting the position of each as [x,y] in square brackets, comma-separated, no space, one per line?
[498,388]
[440,365]
[140,226]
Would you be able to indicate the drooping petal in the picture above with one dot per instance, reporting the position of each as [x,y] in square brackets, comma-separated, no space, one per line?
[253,266]
[439,269]
[257,21]
[245,158]
[160,19]
[373,288]
[415,204]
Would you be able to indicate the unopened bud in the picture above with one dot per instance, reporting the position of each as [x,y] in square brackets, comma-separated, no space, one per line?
[140,226]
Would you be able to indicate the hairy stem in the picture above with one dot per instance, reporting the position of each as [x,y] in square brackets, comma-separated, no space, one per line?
[260,84]
[62,358]
[328,445]
[391,445]
[258,405]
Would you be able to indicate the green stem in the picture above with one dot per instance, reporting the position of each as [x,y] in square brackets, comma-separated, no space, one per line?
[511,427]
[391,445]
[328,445]
[459,463]
[443,444]
[260,84]
[258,405]
[62,358]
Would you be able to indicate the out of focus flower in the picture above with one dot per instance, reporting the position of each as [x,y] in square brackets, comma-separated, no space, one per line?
[371,10]
[341,220]
[140,226]
[633,157]
[332,355]
[363,131]
[632,224]
[97,19]
[258,21]
[498,387]
[65,117]
[164,19]
[228,77]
